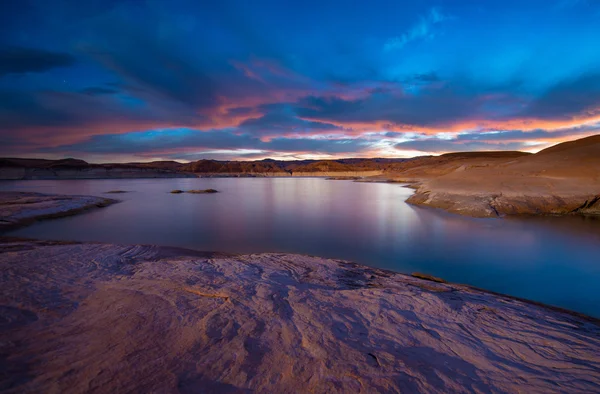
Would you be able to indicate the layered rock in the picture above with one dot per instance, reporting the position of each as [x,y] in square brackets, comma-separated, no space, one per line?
[110,318]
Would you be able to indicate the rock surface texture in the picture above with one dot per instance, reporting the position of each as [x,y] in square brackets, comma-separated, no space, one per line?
[110,318]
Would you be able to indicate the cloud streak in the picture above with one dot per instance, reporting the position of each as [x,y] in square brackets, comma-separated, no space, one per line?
[424,29]
[172,142]
[21,60]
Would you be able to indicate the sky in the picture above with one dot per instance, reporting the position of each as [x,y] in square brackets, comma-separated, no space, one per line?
[142,80]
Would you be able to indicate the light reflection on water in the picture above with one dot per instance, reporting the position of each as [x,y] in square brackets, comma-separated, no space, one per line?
[548,259]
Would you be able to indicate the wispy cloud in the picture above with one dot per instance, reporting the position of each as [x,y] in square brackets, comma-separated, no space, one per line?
[423,29]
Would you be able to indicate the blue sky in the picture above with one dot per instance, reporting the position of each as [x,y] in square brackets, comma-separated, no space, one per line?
[145,80]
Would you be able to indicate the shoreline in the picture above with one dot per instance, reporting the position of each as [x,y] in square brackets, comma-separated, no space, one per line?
[87,203]
[4,239]
[563,179]
[476,203]
[499,204]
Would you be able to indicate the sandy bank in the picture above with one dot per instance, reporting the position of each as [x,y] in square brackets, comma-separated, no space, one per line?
[22,208]
[110,318]
[564,179]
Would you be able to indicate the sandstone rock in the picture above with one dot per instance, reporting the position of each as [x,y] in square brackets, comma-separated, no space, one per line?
[110,318]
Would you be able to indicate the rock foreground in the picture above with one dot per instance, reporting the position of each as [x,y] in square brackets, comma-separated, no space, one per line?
[83,317]
[21,208]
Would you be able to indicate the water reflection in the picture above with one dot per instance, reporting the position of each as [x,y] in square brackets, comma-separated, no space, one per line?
[548,259]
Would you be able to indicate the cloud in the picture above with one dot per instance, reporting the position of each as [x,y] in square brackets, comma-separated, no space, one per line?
[574,97]
[177,141]
[534,135]
[423,29]
[51,117]
[20,60]
[19,109]
[169,76]
[443,146]
[281,119]
[492,140]
[220,72]
[393,107]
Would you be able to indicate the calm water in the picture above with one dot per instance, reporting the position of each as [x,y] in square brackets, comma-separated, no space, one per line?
[552,260]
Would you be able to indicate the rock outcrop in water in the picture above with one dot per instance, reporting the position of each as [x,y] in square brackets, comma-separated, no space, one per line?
[21,208]
[110,318]
[203,191]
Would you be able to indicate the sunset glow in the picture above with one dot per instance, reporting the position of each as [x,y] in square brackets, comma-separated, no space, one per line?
[111,81]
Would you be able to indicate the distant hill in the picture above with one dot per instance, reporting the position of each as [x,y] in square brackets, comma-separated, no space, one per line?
[562,179]
[16,168]
[570,159]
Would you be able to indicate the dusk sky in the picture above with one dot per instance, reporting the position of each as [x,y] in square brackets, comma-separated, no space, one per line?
[107,80]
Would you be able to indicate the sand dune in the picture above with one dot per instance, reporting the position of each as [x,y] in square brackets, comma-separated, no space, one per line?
[559,180]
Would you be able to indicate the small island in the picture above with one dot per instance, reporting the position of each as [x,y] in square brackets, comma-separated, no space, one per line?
[203,191]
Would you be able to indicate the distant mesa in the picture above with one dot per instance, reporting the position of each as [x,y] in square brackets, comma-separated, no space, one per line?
[15,168]
[116,192]
[177,191]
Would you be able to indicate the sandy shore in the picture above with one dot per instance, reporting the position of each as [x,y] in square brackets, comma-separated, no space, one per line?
[561,180]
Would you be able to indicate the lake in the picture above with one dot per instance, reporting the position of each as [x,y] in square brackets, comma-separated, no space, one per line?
[555,260]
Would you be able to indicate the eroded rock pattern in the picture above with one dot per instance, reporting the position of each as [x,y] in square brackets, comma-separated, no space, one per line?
[109,318]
